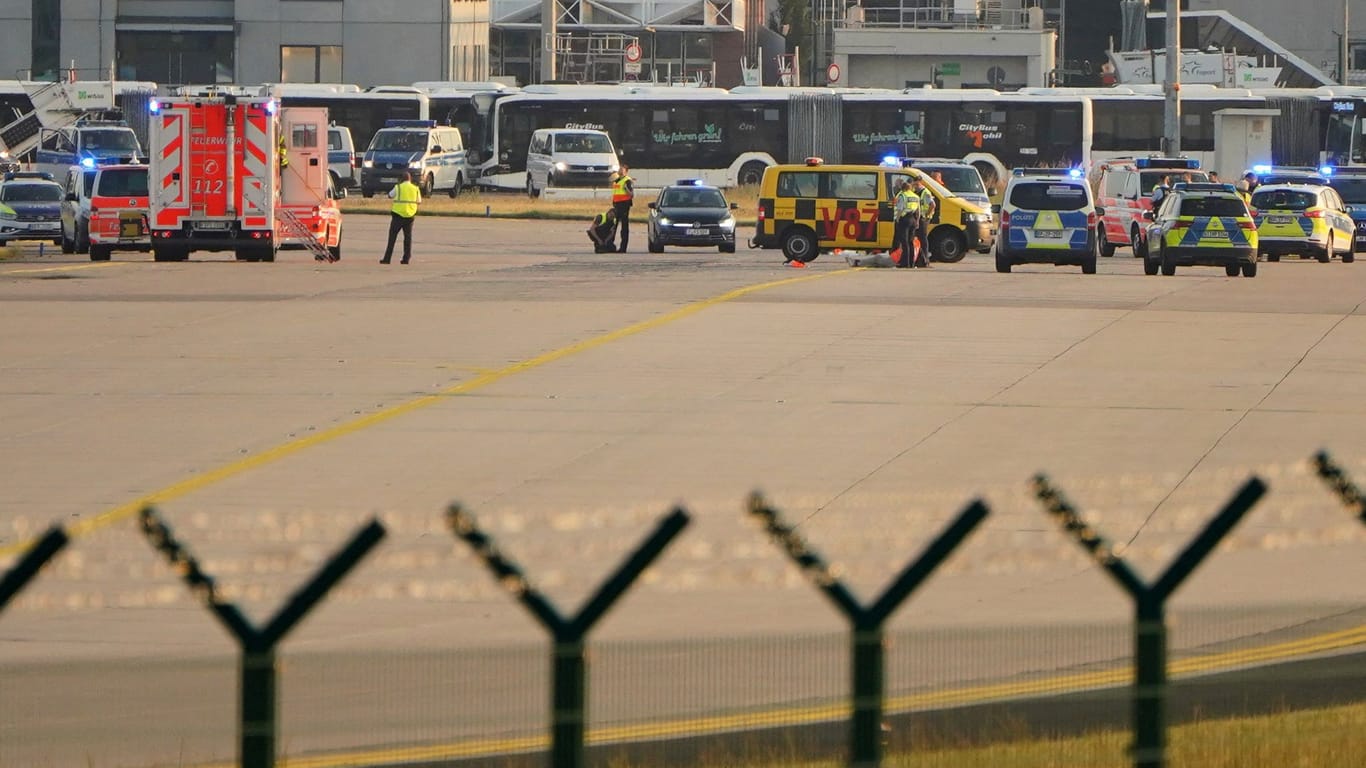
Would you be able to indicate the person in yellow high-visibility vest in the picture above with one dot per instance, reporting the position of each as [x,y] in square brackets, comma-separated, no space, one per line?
[623,193]
[406,197]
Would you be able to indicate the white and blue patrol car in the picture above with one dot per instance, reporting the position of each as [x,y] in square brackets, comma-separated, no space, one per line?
[433,154]
[1048,216]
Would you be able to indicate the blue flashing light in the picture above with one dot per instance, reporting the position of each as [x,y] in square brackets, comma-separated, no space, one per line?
[688,183]
[1075,173]
[1261,168]
[1326,170]
[88,162]
[272,107]
[1189,163]
[154,106]
[891,161]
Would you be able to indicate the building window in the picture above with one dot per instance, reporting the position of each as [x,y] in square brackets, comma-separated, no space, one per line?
[310,63]
[175,58]
[47,35]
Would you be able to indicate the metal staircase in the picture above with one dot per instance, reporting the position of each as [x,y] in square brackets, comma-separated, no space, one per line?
[1225,31]
[53,108]
[291,229]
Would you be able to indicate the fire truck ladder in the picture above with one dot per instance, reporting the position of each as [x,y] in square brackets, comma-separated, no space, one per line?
[293,229]
[53,108]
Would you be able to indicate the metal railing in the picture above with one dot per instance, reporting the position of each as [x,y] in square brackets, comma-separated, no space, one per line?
[257,721]
[907,14]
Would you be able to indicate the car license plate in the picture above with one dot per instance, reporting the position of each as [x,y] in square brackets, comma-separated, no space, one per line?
[698,231]
[1277,219]
[48,227]
[211,225]
[1048,234]
[1216,235]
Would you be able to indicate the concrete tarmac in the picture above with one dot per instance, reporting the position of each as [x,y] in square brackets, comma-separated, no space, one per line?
[569,401]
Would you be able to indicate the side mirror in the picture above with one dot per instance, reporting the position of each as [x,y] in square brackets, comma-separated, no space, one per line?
[71,197]
[735,206]
[996,208]
[436,150]
[1100,212]
[1149,216]
[651,206]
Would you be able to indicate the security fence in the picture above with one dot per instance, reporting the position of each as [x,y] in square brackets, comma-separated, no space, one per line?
[666,702]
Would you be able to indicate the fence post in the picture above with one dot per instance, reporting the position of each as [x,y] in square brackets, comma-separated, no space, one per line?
[257,684]
[569,672]
[866,623]
[33,561]
[1150,622]
[1347,491]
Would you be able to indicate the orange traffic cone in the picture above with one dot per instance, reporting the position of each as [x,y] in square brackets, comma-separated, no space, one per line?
[797,264]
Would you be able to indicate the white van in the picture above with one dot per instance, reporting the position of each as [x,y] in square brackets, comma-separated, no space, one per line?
[569,157]
[433,154]
[341,157]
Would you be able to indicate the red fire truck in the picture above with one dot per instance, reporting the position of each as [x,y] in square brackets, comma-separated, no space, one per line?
[241,174]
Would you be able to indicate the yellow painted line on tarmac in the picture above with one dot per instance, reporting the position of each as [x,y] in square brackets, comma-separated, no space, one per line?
[806,715]
[205,479]
[61,268]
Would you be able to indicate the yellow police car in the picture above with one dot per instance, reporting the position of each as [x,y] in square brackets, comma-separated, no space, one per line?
[1304,219]
[812,208]
[1200,225]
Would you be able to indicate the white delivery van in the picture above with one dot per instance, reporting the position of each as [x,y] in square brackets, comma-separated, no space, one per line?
[569,157]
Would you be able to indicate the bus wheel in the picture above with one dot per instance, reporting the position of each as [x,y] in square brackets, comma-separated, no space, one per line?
[947,245]
[751,174]
[799,244]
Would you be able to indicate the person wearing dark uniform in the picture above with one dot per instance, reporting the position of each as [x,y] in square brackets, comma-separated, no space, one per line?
[406,197]
[623,193]
[906,219]
[602,231]
[926,214]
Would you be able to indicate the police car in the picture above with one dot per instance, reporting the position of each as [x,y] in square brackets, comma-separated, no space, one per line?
[692,214]
[1048,216]
[1287,174]
[1201,224]
[1350,184]
[1305,219]
[30,208]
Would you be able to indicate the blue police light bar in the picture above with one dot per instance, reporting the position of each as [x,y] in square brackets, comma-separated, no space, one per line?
[891,161]
[272,107]
[1326,170]
[1074,173]
[1261,168]
[154,106]
[88,162]
[409,123]
[688,183]
[1167,162]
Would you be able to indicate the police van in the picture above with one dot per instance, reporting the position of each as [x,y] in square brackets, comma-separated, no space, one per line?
[813,208]
[89,143]
[341,157]
[1048,216]
[433,154]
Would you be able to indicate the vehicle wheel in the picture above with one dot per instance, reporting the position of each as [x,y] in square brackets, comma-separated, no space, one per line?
[266,254]
[100,252]
[335,250]
[3,243]
[799,244]
[1002,262]
[244,254]
[531,190]
[459,184]
[1137,244]
[1249,269]
[68,246]
[1107,249]
[82,239]
[427,183]
[163,254]
[1232,270]
[58,241]
[1273,257]
[367,194]
[1327,254]
[1168,266]
[947,245]
[727,248]
[1149,266]
[653,246]
[751,174]
[1088,265]
[336,180]
[1349,257]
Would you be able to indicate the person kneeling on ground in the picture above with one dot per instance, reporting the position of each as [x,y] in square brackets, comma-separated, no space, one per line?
[603,232]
